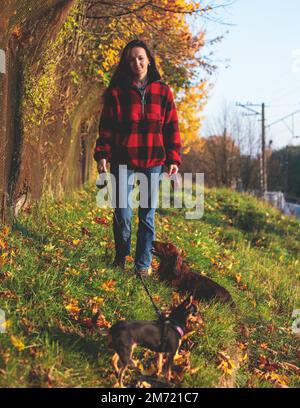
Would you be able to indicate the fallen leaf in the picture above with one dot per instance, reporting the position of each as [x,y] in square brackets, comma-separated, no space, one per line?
[226,364]
[101,220]
[72,307]
[49,247]
[238,277]
[108,286]
[263,346]
[3,244]
[102,322]
[17,343]
[99,300]
[143,384]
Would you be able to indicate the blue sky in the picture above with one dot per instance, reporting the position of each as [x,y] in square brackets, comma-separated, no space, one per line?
[259,61]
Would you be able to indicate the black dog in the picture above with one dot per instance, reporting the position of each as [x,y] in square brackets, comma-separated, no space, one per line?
[162,336]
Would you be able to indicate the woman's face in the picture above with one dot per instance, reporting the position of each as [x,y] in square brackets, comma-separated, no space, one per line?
[138,62]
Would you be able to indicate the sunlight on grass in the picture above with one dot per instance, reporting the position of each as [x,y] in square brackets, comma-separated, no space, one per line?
[56,274]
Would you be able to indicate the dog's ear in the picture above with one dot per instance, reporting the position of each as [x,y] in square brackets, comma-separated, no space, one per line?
[189,300]
[177,266]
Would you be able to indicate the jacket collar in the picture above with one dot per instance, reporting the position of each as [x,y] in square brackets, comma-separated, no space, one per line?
[133,83]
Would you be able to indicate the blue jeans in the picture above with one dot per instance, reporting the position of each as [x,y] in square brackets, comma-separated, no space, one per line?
[122,196]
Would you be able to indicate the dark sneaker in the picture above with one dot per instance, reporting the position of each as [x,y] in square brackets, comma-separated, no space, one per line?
[144,273]
[119,263]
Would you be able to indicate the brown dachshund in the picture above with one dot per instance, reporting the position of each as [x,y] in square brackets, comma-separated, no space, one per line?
[174,270]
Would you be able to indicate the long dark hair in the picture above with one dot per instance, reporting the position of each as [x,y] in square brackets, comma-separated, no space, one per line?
[123,74]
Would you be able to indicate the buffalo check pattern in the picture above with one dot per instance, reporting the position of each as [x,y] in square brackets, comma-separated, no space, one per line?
[140,130]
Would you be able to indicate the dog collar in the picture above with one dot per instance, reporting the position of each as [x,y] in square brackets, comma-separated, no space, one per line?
[179,330]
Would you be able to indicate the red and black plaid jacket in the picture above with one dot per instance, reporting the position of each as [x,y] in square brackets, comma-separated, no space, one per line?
[137,132]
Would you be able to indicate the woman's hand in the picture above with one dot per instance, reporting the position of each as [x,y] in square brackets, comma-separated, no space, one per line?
[172,169]
[101,166]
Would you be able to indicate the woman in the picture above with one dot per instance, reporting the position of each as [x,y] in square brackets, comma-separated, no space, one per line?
[138,132]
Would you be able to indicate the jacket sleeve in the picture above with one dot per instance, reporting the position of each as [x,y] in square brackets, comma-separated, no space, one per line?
[171,135]
[106,129]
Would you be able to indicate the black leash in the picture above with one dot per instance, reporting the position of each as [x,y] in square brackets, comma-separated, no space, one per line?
[157,311]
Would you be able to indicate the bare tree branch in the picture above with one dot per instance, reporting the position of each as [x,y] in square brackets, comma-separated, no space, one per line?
[111,4]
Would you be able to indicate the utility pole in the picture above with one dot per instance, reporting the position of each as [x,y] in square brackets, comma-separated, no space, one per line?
[286,171]
[263,151]
[263,156]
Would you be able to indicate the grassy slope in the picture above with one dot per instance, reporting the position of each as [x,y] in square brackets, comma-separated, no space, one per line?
[55,273]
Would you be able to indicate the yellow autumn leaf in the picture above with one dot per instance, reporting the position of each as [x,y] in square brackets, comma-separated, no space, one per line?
[227,367]
[226,364]
[186,150]
[99,300]
[17,343]
[143,384]
[238,277]
[49,247]
[2,243]
[76,242]
[279,378]
[73,308]
[244,358]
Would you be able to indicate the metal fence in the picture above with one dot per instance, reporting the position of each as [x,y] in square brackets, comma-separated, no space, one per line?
[276,198]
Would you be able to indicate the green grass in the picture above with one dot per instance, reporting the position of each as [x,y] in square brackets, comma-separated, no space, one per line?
[55,273]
